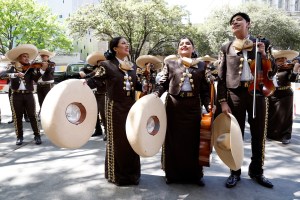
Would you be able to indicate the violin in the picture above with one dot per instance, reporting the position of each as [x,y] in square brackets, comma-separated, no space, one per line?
[205,147]
[36,65]
[260,69]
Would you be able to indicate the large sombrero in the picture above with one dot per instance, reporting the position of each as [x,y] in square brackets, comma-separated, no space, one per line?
[228,140]
[288,54]
[94,57]
[69,113]
[170,57]
[207,58]
[47,53]
[14,53]
[146,125]
[144,59]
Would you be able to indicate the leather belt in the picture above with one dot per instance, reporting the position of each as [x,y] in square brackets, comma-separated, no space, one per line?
[245,84]
[186,94]
[22,91]
[283,88]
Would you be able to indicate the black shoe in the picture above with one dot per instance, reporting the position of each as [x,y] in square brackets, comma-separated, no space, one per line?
[232,180]
[19,141]
[201,182]
[97,133]
[11,121]
[37,140]
[262,180]
[285,141]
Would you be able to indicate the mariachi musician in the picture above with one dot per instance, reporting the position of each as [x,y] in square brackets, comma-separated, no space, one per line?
[45,82]
[149,65]
[88,72]
[183,78]
[22,76]
[234,96]
[280,118]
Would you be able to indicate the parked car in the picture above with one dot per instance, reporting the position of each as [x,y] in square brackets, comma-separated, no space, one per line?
[71,71]
[59,73]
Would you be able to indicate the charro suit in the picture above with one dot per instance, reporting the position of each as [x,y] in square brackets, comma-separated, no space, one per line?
[45,83]
[281,106]
[235,92]
[180,157]
[21,99]
[122,164]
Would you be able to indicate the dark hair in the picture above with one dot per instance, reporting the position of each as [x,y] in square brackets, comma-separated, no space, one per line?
[243,15]
[185,37]
[110,53]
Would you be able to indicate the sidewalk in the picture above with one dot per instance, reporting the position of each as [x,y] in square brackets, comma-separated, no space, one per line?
[46,172]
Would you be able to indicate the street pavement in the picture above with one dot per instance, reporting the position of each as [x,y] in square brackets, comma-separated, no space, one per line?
[46,172]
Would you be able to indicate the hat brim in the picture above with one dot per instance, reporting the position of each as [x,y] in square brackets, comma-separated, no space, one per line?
[288,54]
[47,53]
[146,140]
[93,58]
[233,158]
[14,53]
[144,59]
[207,58]
[170,57]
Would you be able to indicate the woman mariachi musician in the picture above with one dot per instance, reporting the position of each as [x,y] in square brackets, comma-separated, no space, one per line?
[280,109]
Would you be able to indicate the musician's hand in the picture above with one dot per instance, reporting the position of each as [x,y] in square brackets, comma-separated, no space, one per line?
[214,109]
[225,108]
[20,74]
[82,74]
[261,49]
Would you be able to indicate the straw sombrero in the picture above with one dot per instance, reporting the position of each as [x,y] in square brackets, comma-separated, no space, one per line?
[144,59]
[94,57]
[170,57]
[288,54]
[146,125]
[228,140]
[14,53]
[47,53]
[208,58]
[69,119]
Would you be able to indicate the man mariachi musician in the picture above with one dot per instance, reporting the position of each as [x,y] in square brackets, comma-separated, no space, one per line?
[45,83]
[233,95]
[22,76]
[150,64]
[87,72]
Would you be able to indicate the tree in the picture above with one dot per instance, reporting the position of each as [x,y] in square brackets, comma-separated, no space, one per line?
[150,27]
[24,21]
[283,31]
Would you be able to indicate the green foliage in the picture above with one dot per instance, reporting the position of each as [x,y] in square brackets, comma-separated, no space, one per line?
[151,27]
[283,31]
[24,21]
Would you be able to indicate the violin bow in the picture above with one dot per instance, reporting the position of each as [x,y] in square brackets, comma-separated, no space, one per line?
[255,73]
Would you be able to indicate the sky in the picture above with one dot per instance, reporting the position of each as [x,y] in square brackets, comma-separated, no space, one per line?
[201,9]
